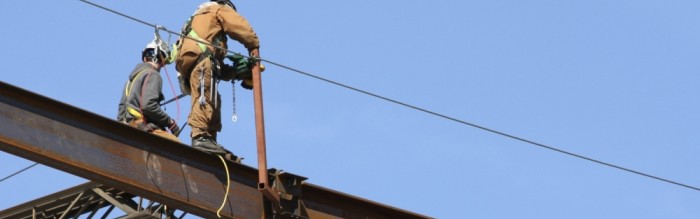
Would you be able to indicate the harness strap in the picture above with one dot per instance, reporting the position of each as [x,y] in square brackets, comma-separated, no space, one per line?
[136,113]
[194,35]
[216,65]
[206,53]
[129,84]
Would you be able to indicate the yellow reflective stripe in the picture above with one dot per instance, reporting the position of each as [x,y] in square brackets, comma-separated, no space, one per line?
[127,92]
[129,85]
[134,112]
[126,88]
[173,54]
[195,36]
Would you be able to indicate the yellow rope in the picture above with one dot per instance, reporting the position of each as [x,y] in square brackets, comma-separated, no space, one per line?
[228,183]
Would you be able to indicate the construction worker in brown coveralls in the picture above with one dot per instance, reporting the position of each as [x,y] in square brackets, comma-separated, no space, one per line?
[201,66]
[139,106]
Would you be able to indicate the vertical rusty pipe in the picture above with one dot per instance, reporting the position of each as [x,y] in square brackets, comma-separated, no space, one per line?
[263,181]
[259,124]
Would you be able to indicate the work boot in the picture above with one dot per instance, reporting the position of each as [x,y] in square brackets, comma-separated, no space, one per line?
[207,144]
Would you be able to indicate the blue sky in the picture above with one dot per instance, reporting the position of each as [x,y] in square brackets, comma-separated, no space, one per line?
[615,81]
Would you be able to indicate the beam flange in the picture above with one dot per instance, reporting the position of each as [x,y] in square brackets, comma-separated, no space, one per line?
[108,152]
[116,155]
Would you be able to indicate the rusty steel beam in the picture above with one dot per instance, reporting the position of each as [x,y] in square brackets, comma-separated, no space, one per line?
[107,152]
[322,202]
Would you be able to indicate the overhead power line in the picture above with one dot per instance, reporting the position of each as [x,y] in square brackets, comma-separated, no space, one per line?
[18,172]
[419,108]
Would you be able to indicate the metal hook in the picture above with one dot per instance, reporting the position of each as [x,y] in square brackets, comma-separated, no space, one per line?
[157,32]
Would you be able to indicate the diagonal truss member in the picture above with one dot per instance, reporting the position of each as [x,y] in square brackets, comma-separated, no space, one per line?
[86,201]
[118,156]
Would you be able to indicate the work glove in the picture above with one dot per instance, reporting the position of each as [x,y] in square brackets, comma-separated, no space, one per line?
[254,54]
[228,72]
[174,128]
[247,84]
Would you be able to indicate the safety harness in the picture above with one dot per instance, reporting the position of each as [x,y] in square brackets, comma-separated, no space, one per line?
[205,53]
[139,119]
[136,113]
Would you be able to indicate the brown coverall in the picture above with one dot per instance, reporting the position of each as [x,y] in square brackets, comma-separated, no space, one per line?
[211,21]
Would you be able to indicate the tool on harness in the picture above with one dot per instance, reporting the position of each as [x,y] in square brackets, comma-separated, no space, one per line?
[215,73]
[201,86]
[234,118]
[206,52]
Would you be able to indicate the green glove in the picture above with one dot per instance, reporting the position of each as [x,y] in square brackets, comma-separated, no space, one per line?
[241,66]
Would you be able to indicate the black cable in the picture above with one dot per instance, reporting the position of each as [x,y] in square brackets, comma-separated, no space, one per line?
[173,99]
[430,112]
[488,129]
[18,172]
[123,15]
[160,27]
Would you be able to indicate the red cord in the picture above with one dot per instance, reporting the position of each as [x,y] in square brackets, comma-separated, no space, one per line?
[177,103]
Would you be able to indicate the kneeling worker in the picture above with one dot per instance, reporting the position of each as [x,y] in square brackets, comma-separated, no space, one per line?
[139,105]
